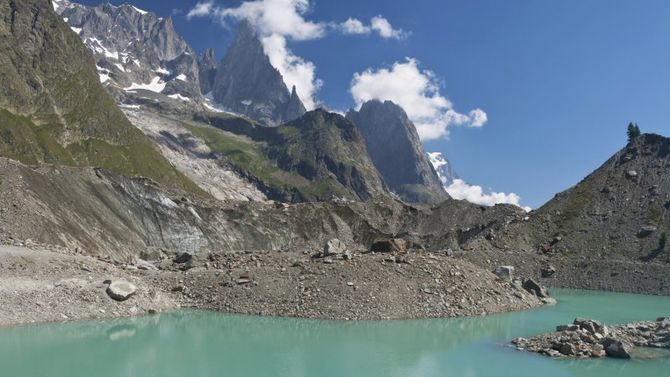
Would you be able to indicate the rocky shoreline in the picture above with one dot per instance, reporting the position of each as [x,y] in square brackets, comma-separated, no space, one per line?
[586,338]
[41,283]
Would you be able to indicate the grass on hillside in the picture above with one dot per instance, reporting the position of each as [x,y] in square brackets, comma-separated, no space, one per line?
[249,157]
[22,140]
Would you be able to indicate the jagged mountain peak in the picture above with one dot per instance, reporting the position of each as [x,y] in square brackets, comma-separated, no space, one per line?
[247,83]
[397,152]
[207,70]
[138,54]
[443,168]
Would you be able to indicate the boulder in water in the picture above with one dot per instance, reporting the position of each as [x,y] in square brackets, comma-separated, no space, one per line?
[615,348]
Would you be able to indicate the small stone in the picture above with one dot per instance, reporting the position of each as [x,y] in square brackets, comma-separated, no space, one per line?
[597,350]
[144,265]
[548,271]
[567,349]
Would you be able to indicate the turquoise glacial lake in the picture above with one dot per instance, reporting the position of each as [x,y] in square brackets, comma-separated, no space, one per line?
[198,343]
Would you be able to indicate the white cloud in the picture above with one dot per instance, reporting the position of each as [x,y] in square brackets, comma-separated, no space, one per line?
[478,117]
[384,28]
[201,9]
[460,190]
[277,22]
[354,26]
[416,91]
[378,24]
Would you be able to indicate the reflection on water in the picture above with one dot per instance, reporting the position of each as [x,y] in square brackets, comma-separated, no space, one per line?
[209,344]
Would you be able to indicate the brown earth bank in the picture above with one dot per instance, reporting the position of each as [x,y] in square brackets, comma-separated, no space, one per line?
[46,284]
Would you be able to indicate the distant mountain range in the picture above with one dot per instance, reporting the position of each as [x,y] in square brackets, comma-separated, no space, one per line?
[142,61]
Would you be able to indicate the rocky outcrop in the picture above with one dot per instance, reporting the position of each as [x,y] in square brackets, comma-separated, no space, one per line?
[207,70]
[587,338]
[247,83]
[607,215]
[397,152]
[138,54]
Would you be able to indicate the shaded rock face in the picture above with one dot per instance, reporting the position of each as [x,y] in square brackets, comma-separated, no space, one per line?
[136,52]
[320,156]
[397,152]
[326,148]
[608,213]
[207,70]
[248,84]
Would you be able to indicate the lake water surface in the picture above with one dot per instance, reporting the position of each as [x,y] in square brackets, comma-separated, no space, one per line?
[193,344]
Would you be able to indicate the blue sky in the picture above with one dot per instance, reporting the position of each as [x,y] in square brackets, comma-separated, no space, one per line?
[558,80]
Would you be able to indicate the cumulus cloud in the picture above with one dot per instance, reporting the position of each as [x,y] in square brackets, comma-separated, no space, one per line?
[418,92]
[281,21]
[384,28]
[378,24]
[460,190]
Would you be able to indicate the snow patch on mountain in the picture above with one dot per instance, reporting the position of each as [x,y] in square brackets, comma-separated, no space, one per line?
[179,97]
[442,167]
[156,85]
[140,11]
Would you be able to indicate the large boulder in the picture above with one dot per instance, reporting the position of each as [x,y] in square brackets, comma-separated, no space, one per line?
[393,245]
[615,348]
[592,326]
[333,247]
[121,290]
[183,258]
[505,272]
[533,287]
